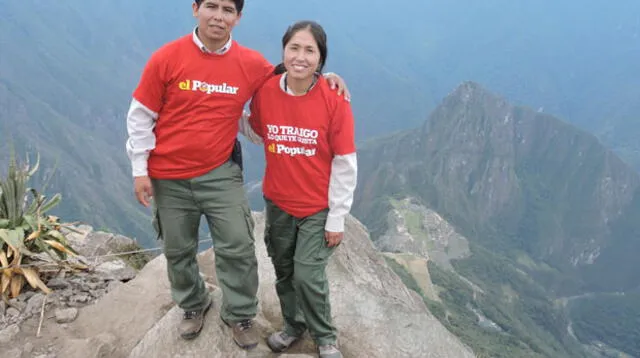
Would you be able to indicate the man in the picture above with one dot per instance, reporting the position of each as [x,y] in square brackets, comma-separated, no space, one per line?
[182,126]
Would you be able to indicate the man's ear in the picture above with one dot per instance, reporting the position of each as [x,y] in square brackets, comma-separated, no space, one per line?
[195,9]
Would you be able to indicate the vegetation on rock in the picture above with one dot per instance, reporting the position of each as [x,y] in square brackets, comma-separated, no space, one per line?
[31,243]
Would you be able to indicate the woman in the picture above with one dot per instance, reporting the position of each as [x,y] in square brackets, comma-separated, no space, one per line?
[309,182]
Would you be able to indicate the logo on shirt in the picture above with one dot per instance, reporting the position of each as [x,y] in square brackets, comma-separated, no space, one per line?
[291,151]
[208,88]
[292,135]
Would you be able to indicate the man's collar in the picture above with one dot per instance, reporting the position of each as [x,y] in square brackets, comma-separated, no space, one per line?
[224,49]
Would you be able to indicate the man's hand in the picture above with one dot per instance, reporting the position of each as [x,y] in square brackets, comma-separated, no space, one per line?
[337,81]
[333,238]
[143,190]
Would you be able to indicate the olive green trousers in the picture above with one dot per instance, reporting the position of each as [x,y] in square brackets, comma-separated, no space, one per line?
[299,253]
[219,196]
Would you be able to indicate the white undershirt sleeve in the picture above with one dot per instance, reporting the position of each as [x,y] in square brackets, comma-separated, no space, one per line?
[342,184]
[140,124]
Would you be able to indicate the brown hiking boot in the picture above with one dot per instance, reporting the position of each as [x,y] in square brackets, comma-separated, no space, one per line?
[192,322]
[245,334]
[280,341]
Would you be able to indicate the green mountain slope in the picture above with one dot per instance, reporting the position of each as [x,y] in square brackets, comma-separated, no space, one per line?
[515,179]
[67,70]
[66,76]
[548,211]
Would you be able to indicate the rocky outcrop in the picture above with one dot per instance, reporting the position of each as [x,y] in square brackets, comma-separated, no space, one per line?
[106,269]
[377,316]
[73,291]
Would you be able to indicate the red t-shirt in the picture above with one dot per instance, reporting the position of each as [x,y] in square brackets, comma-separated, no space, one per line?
[199,98]
[301,136]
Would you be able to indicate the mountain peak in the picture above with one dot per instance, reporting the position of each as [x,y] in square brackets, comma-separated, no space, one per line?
[524,178]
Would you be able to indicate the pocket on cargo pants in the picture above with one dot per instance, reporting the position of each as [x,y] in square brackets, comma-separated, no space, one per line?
[155,221]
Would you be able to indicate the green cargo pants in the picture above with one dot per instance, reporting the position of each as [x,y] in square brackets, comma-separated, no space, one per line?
[219,196]
[299,253]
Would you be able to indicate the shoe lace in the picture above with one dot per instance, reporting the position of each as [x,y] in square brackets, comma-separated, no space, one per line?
[190,314]
[328,348]
[245,324]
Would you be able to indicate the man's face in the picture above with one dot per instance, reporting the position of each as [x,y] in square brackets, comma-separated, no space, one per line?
[216,18]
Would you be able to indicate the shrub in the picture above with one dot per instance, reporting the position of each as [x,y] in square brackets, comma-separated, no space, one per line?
[29,239]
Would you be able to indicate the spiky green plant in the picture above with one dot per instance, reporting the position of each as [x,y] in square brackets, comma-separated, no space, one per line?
[26,231]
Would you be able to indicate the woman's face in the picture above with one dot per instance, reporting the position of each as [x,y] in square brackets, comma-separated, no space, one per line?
[301,55]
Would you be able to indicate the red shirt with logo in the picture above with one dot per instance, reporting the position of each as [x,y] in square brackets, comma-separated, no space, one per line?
[199,98]
[301,136]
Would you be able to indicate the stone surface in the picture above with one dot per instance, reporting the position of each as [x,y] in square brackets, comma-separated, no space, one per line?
[101,346]
[7,334]
[34,305]
[127,311]
[376,315]
[17,304]
[138,318]
[12,353]
[117,270]
[66,315]
[12,313]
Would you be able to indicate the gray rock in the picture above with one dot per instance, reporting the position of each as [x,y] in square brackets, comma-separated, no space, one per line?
[57,283]
[7,334]
[113,285]
[26,296]
[28,348]
[81,298]
[117,269]
[17,304]
[98,293]
[97,244]
[101,346]
[368,299]
[94,286]
[12,353]
[119,242]
[84,287]
[66,315]
[3,308]
[35,304]
[12,313]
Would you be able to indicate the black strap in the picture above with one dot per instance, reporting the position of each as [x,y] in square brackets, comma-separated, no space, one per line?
[315,79]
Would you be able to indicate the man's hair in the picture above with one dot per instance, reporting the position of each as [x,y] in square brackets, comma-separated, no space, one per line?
[239,4]
[318,34]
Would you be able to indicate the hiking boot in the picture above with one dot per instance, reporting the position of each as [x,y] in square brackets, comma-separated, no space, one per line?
[245,334]
[192,322]
[280,341]
[329,351]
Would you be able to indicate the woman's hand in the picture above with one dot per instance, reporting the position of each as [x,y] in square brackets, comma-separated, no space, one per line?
[333,238]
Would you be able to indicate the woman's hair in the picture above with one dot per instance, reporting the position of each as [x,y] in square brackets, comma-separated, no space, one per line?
[318,35]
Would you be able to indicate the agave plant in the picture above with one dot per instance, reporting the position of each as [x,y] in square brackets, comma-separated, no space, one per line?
[26,232]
